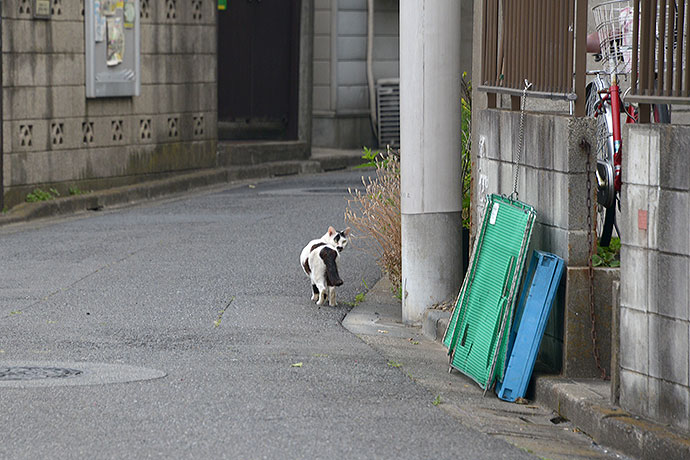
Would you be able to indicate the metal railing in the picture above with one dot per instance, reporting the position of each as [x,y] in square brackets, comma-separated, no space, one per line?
[660,51]
[543,41]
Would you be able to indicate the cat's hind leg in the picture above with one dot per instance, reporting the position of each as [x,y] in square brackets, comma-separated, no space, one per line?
[331,296]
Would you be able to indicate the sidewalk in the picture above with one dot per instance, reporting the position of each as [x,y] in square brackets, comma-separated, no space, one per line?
[321,160]
[567,420]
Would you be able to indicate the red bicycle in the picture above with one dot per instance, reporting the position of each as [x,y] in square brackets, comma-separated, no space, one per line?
[613,41]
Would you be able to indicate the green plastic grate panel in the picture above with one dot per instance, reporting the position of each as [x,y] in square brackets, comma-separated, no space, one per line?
[484,309]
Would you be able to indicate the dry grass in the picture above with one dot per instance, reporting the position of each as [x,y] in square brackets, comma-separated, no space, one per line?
[375,213]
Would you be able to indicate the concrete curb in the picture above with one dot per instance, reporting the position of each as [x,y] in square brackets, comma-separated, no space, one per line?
[180,183]
[586,403]
[589,410]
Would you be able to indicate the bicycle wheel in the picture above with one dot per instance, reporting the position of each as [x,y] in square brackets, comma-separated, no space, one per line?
[606,194]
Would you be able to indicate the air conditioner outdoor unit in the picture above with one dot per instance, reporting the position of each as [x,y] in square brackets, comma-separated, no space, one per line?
[388,112]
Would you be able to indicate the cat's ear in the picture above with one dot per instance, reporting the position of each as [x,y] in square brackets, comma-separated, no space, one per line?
[331,231]
[346,232]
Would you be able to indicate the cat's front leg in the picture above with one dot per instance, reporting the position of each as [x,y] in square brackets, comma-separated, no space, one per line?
[315,291]
[331,296]
[322,297]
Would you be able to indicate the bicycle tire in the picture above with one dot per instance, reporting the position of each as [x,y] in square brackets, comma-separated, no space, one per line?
[606,196]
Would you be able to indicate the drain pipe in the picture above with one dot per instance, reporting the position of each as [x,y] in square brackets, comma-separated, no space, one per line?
[370,70]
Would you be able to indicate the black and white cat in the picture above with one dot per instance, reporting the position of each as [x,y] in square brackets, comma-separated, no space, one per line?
[319,260]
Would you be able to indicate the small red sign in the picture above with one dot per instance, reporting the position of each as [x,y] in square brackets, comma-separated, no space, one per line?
[641,219]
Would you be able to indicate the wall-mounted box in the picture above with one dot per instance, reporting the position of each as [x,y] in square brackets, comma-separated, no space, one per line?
[113,52]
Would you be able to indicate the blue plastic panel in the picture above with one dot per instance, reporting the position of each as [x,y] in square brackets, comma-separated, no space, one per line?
[538,294]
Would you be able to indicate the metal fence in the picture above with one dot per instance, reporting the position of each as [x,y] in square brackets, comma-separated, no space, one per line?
[660,51]
[545,42]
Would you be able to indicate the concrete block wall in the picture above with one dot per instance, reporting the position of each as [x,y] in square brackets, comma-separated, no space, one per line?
[340,93]
[552,177]
[55,137]
[655,274]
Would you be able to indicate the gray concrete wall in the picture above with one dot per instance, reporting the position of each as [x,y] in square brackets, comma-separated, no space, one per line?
[341,95]
[55,137]
[655,274]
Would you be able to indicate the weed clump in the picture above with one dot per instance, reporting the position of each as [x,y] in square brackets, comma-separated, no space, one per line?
[375,213]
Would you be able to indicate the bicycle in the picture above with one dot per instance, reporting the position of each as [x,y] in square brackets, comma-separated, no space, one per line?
[614,27]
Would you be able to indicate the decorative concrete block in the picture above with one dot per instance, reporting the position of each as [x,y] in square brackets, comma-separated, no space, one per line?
[634,337]
[634,391]
[634,277]
[668,340]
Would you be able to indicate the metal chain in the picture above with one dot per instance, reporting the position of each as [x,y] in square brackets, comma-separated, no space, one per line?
[521,140]
[590,268]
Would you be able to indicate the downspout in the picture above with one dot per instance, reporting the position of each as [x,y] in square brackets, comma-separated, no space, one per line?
[370,70]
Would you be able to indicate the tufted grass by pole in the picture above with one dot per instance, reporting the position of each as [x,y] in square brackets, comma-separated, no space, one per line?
[375,213]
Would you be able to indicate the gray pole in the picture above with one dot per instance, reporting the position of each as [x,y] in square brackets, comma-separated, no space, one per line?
[430,73]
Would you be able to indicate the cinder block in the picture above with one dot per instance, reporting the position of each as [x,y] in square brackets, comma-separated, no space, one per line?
[634,340]
[322,98]
[357,5]
[322,73]
[552,209]
[668,349]
[352,73]
[352,98]
[387,23]
[352,48]
[670,282]
[386,69]
[386,48]
[578,352]
[634,277]
[672,222]
[635,200]
[577,201]
[506,139]
[322,48]
[352,23]
[673,158]
[669,403]
[322,22]
[635,167]
[578,129]
[634,391]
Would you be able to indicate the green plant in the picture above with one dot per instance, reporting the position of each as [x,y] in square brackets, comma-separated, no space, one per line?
[375,212]
[436,401]
[466,147]
[608,256]
[394,364]
[41,195]
[74,190]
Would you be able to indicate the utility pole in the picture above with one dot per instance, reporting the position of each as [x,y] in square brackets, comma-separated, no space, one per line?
[430,75]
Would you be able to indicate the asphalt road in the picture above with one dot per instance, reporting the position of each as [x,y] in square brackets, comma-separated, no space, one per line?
[204,296]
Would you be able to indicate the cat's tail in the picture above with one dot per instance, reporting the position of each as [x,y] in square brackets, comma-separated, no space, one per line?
[329,255]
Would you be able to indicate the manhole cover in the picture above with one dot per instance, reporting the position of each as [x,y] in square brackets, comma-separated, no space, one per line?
[36,373]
